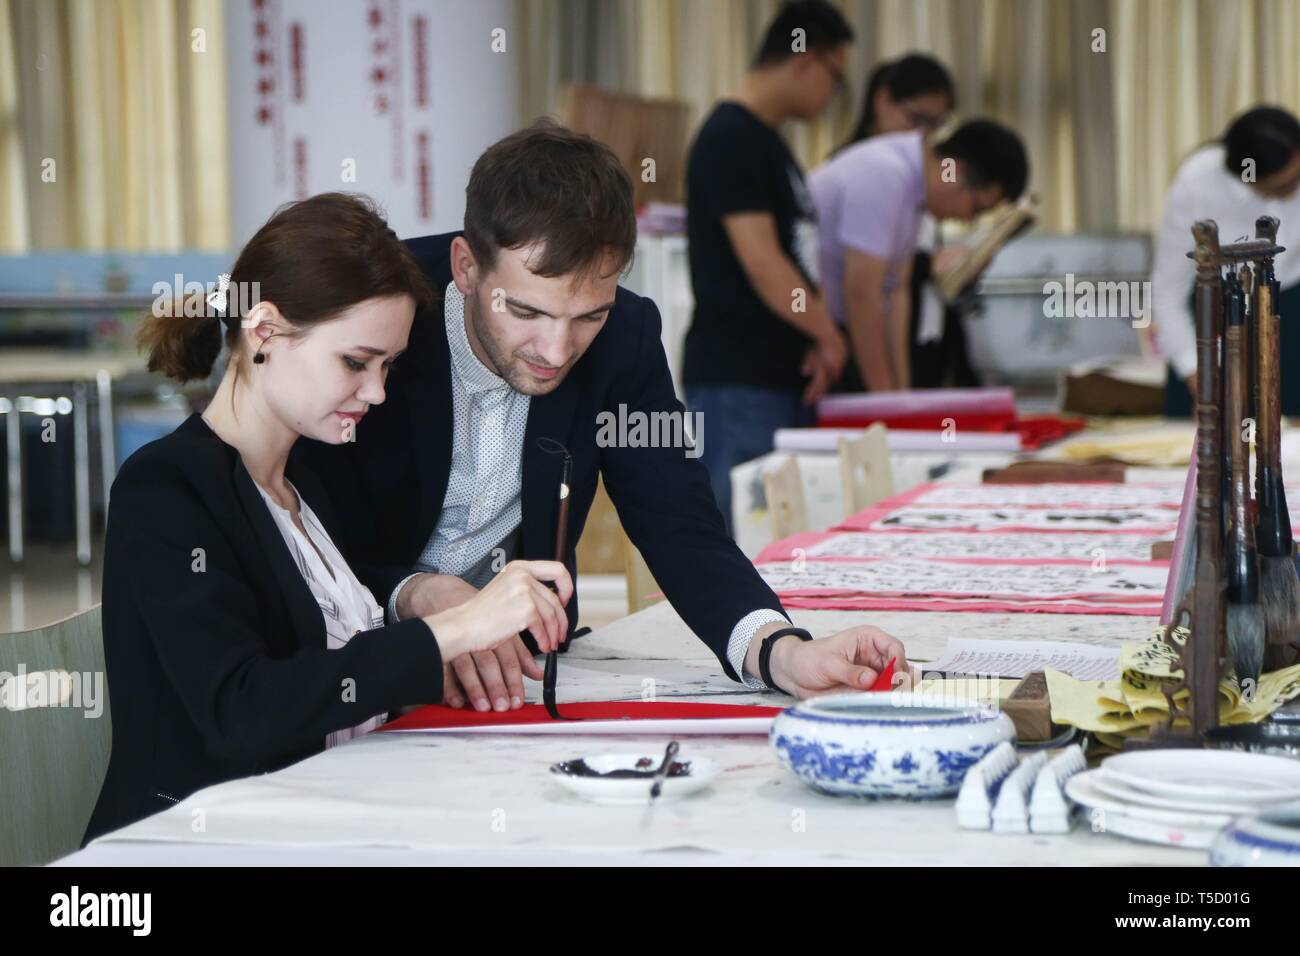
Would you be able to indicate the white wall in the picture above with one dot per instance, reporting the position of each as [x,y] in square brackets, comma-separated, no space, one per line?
[326,112]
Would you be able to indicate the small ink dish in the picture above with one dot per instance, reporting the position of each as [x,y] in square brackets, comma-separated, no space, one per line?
[626,778]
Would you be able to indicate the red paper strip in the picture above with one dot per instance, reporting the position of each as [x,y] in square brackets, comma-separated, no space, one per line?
[435,716]
[930,401]
[963,421]
[1034,432]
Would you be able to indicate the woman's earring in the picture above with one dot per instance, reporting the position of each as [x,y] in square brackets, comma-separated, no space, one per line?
[259,358]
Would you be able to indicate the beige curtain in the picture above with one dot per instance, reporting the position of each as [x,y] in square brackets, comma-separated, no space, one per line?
[117,138]
[13,199]
[1107,116]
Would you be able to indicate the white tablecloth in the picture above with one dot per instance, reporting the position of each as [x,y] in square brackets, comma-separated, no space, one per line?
[459,798]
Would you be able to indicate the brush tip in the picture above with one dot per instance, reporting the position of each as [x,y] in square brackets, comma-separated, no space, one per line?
[1279,591]
[1246,640]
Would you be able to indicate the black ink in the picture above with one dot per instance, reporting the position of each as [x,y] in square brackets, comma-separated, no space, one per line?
[580,768]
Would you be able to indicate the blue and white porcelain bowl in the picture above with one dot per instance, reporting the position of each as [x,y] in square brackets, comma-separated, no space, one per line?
[896,744]
[1271,838]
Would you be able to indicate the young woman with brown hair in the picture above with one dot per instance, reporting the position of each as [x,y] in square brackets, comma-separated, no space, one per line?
[237,639]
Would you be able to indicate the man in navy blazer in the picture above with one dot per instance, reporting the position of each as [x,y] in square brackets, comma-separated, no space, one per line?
[534,348]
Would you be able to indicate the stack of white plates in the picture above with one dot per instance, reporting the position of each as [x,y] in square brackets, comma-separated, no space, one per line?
[1181,797]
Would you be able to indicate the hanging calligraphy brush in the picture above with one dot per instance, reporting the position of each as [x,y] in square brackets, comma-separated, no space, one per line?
[1204,600]
[1279,586]
[1221,379]
[1245,617]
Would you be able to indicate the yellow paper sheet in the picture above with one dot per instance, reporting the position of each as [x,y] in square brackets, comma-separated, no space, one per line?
[1136,701]
[1166,446]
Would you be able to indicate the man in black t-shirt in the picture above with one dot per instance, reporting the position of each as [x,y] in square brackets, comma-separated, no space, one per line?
[762,347]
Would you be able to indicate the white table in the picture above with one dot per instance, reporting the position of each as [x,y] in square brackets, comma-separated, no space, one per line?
[396,799]
[823,494]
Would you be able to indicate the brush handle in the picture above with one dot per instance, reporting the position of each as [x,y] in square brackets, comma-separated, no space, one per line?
[1249,359]
[550,675]
[1266,344]
[1209,410]
[1207,645]
[1225,431]
[1273,520]
[562,513]
[1243,563]
[1286,543]
[1268,358]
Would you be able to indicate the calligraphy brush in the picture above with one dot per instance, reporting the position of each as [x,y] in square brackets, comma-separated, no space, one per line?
[1208,601]
[1245,617]
[1204,600]
[1221,380]
[1279,586]
[551,672]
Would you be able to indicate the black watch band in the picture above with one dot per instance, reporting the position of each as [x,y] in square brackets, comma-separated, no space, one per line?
[765,652]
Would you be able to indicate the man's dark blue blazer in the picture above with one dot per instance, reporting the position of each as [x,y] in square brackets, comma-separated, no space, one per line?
[387,486]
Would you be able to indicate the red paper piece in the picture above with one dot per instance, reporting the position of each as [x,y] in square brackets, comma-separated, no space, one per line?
[438,715]
[435,716]
[963,421]
[1034,431]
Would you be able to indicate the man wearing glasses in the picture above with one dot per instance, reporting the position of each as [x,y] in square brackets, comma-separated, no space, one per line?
[870,199]
[762,346]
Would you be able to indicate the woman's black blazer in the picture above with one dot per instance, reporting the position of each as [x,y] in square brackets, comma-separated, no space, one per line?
[214,645]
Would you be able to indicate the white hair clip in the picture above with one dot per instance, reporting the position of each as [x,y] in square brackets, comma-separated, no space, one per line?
[218,299]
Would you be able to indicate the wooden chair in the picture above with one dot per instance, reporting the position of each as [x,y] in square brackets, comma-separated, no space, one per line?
[865,474]
[642,590]
[783,488]
[52,758]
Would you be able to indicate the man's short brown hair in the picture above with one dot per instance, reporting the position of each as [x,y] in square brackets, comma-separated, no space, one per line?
[549,186]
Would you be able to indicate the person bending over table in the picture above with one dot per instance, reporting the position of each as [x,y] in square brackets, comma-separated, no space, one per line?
[761,347]
[237,639]
[534,340]
[1253,171]
[916,92]
[870,199]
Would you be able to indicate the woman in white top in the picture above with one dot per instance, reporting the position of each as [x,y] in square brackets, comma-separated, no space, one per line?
[1253,171]
[914,92]
[237,639]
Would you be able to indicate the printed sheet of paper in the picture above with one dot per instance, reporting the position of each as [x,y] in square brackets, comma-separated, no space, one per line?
[1084,495]
[868,602]
[1154,521]
[1020,658]
[1105,507]
[852,545]
[1043,581]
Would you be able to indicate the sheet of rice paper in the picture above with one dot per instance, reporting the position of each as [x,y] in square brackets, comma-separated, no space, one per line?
[1027,584]
[1091,548]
